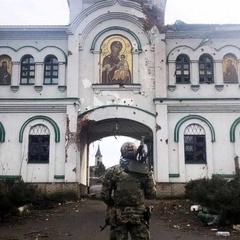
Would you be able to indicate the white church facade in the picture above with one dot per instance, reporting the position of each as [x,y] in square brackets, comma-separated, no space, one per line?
[117,70]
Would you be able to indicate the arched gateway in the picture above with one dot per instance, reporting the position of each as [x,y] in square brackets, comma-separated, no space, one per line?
[113,120]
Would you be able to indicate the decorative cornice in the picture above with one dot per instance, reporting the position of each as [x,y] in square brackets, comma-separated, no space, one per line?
[219,87]
[195,87]
[14,88]
[33,32]
[33,108]
[106,17]
[116,87]
[62,88]
[38,88]
[172,88]
[204,108]
[97,6]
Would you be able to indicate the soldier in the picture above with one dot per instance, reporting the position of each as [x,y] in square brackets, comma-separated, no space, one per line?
[124,188]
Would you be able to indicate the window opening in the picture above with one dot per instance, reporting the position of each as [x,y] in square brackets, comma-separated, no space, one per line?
[27,70]
[182,69]
[51,70]
[195,144]
[39,144]
[206,69]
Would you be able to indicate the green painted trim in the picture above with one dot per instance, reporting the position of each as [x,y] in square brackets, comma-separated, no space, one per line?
[225,175]
[10,176]
[59,176]
[233,129]
[40,99]
[54,124]
[174,175]
[114,28]
[181,46]
[184,119]
[228,45]
[2,133]
[39,50]
[117,106]
[195,99]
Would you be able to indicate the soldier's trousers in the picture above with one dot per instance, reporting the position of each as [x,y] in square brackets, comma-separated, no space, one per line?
[137,232]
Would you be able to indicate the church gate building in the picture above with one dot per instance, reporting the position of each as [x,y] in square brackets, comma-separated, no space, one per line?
[118,70]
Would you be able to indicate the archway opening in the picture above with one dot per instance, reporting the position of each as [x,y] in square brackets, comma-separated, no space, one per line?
[110,134]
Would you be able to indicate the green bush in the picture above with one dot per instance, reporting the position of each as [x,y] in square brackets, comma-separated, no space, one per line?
[219,195]
[16,193]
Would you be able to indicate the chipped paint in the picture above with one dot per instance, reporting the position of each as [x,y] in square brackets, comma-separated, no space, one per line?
[70,138]
[86,83]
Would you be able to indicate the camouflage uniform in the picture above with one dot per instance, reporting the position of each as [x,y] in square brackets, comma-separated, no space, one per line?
[124,188]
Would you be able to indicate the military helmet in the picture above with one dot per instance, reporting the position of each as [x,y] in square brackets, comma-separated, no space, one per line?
[129,150]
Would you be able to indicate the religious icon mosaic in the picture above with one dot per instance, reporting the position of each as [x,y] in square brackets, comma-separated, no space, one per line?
[5,70]
[230,68]
[116,60]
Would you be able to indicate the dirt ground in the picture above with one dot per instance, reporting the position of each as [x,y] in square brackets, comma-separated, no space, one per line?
[171,220]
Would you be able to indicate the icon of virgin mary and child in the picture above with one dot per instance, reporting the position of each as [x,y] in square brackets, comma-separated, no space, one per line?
[115,68]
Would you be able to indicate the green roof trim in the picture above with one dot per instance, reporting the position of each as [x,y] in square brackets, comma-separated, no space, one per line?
[2,133]
[233,129]
[178,125]
[48,119]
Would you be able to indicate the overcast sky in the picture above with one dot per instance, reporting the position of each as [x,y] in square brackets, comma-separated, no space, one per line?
[55,12]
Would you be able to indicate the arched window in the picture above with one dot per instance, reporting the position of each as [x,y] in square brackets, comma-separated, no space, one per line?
[230,68]
[39,143]
[206,69]
[27,70]
[195,144]
[51,70]
[182,69]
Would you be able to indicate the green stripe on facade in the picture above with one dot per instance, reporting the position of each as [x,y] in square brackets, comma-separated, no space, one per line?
[233,129]
[118,106]
[2,133]
[59,176]
[52,122]
[10,177]
[174,175]
[225,175]
[114,28]
[178,125]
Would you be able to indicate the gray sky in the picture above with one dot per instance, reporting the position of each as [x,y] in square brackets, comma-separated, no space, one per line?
[55,12]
